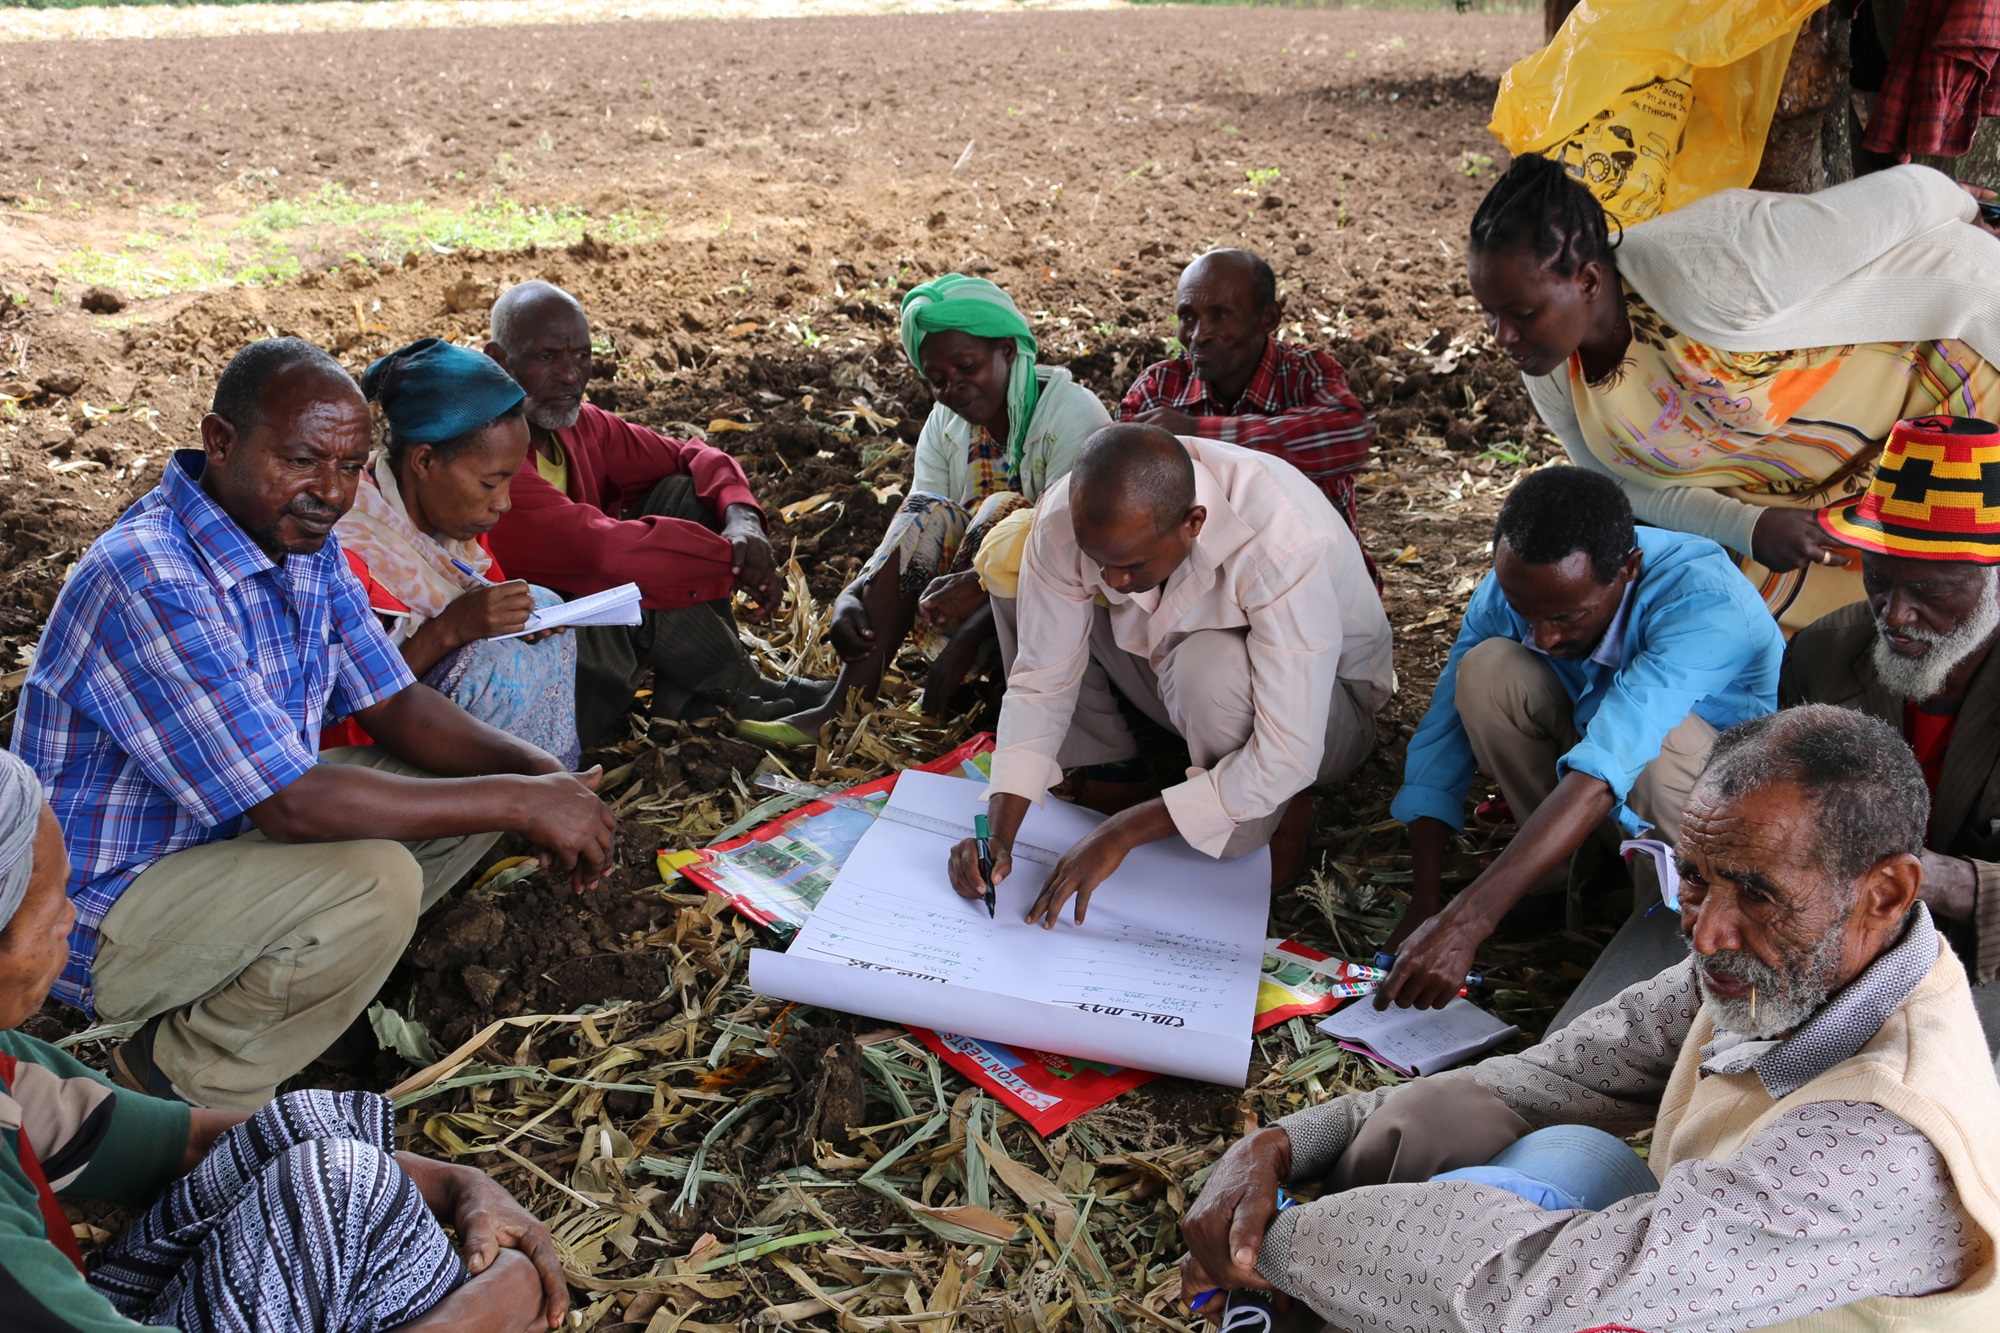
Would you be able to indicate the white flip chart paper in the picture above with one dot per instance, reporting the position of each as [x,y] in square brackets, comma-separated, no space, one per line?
[1162,975]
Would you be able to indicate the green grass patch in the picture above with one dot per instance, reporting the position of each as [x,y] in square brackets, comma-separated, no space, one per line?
[278,240]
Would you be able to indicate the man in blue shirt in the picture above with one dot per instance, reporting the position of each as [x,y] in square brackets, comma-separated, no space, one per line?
[173,715]
[1594,669]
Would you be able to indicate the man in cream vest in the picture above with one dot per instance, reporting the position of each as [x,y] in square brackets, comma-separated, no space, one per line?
[1823,1112]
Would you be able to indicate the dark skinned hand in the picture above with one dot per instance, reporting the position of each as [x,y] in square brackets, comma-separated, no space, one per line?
[950,669]
[751,562]
[850,632]
[574,830]
[1787,539]
[488,1220]
[1951,886]
[1432,964]
[1225,1228]
[964,865]
[1082,868]
[950,599]
[1180,423]
[485,613]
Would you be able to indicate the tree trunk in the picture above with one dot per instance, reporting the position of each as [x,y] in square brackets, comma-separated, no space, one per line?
[1812,112]
[1979,164]
[1553,14]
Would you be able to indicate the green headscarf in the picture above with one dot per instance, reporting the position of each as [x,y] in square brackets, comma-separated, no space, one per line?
[976,306]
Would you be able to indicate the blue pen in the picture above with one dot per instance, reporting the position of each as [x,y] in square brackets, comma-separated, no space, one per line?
[469,571]
[1387,962]
[1284,1201]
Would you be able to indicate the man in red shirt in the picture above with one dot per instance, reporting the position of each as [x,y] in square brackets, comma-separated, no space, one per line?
[605,502]
[1919,655]
[1239,384]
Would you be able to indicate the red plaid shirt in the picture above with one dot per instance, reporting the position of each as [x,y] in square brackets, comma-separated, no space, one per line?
[1940,79]
[1297,406]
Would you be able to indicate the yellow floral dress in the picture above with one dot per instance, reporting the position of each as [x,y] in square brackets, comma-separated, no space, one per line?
[1794,429]
[1791,428]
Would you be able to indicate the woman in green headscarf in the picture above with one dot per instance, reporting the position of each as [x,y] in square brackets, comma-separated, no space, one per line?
[1003,430]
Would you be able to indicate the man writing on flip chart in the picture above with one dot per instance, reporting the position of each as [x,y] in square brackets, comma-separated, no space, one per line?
[1219,592]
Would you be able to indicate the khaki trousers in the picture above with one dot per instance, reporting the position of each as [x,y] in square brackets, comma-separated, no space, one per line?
[1520,722]
[259,954]
[1202,692]
[1432,1125]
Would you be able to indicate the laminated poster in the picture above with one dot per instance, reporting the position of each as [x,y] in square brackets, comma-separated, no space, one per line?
[777,874]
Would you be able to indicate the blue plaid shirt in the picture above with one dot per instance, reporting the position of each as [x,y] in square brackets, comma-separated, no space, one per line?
[183,678]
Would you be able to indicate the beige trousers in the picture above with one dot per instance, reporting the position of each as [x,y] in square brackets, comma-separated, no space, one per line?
[1520,722]
[1202,693]
[259,954]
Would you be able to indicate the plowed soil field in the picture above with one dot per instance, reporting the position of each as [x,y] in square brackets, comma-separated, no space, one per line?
[753,197]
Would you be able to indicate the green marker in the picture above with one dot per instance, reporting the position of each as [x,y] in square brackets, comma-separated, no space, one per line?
[980,833]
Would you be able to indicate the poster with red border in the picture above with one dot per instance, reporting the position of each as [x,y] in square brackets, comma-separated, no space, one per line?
[775,874]
[1048,1091]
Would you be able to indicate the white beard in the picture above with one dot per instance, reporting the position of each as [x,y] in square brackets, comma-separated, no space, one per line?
[1784,1000]
[1920,678]
[544,419]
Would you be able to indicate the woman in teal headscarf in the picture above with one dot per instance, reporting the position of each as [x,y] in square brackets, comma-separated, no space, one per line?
[416,538]
[1003,430]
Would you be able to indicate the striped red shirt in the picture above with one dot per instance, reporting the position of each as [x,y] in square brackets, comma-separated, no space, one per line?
[1297,406]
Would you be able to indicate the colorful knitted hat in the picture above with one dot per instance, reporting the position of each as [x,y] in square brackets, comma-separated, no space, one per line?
[1936,494]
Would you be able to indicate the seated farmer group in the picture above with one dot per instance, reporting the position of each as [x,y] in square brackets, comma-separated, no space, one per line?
[288,700]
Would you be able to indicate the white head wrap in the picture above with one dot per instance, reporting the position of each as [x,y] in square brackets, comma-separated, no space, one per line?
[20,818]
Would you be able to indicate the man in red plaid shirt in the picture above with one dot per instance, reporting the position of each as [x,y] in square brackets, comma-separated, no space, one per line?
[1240,385]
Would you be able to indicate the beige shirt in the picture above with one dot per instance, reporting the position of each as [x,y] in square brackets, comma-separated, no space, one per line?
[1273,558]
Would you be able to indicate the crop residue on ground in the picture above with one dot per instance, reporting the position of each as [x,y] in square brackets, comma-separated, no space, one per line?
[709,1159]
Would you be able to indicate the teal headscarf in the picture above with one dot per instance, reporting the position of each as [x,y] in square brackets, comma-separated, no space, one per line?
[976,306]
[432,391]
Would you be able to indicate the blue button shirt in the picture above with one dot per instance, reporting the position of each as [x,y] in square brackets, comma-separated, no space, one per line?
[184,677]
[1692,636]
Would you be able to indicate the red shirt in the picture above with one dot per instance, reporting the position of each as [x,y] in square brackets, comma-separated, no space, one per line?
[383,603]
[577,543]
[1297,406]
[1929,735]
[1941,82]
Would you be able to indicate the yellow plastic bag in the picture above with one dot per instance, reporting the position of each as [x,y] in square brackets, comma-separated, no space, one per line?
[1654,103]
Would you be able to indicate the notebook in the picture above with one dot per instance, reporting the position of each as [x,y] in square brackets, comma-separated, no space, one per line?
[1415,1042]
[613,606]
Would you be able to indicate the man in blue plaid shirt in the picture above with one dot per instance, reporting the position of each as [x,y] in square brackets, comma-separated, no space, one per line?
[240,892]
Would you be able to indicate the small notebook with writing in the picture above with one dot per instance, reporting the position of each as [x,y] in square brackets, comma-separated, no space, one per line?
[613,606]
[1417,1041]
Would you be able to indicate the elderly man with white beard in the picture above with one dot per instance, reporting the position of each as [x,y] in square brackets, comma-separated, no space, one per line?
[1822,1154]
[1919,655]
